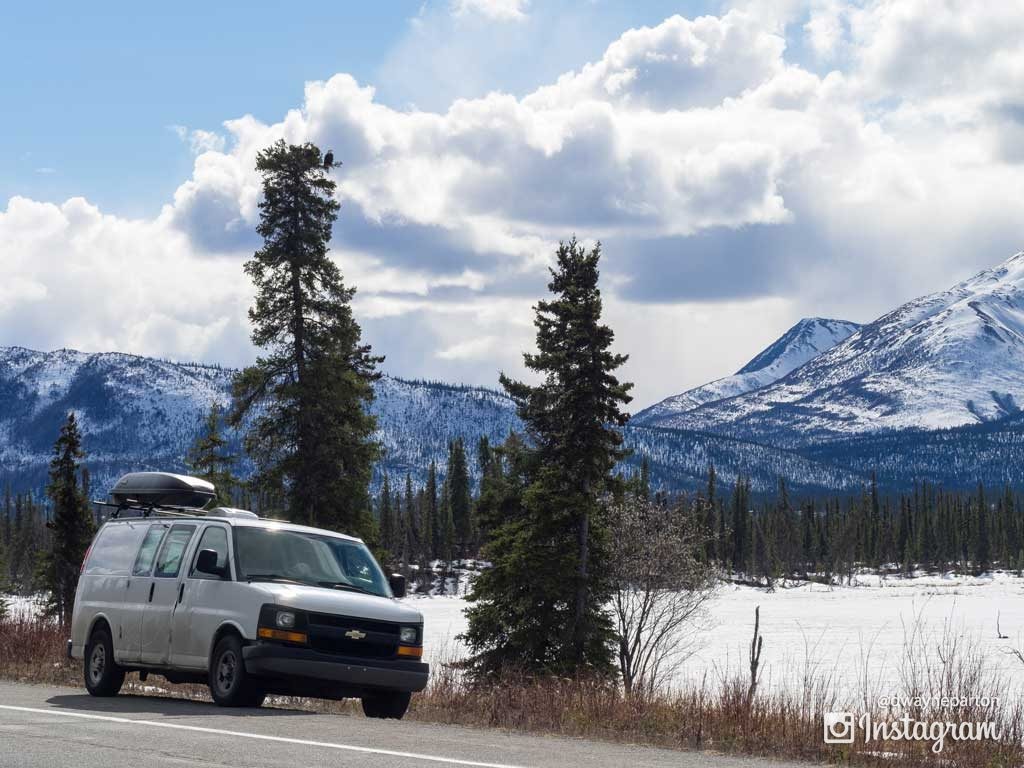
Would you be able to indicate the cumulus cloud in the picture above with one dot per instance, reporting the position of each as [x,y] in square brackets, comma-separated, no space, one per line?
[732,189]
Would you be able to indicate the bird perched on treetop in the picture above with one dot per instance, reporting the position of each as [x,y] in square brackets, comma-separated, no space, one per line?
[329,159]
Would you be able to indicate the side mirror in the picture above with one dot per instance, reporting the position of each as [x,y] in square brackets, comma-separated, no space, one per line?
[397,583]
[207,563]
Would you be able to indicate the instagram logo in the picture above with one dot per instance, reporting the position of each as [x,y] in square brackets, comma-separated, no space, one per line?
[839,728]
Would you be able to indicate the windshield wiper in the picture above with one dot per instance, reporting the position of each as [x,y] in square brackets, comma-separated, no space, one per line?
[345,585]
[272,577]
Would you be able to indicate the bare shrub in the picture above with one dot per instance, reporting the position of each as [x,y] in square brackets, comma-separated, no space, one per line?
[661,586]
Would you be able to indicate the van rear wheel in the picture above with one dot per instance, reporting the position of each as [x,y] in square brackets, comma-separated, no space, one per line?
[391,705]
[230,684]
[103,675]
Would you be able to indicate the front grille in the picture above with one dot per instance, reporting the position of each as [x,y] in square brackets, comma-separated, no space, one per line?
[362,649]
[327,634]
[353,622]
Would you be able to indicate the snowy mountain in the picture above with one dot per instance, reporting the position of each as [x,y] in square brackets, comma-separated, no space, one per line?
[931,391]
[948,359]
[141,413]
[804,341]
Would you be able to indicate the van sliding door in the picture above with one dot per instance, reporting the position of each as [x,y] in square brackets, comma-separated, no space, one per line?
[156,623]
[138,591]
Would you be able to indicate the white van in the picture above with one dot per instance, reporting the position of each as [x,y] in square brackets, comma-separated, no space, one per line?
[247,605]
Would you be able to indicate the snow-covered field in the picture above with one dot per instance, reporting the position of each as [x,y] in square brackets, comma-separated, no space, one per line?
[856,634]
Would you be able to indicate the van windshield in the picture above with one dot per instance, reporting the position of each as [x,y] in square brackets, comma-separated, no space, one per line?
[269,554]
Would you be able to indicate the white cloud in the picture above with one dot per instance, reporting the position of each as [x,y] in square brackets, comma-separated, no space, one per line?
[678,64]
[198,140]
[726,181]
[824,28]
[498,10]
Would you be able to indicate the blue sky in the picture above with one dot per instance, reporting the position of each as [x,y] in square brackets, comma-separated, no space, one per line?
[99,87]
[745,163]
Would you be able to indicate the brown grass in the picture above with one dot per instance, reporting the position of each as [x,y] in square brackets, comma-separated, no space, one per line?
[714,716]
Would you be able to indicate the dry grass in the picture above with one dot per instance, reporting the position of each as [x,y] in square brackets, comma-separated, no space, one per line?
[714,716]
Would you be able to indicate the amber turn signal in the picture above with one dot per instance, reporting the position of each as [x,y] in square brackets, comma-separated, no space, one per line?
[413,651]
[279,634]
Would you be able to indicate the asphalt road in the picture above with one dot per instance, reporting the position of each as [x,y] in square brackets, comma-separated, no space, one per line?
[46,726]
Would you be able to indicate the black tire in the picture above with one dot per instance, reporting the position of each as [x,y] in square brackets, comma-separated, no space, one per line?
[103,675]
[391,705]
[230,685]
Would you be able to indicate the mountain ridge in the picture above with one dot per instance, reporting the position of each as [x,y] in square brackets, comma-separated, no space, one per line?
[137,412]
[929,391]
[802,342]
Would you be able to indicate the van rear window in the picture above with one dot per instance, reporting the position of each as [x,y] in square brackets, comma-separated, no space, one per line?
[114,549]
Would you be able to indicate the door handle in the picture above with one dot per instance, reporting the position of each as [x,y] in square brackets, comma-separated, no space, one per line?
[152,586]
[181,592]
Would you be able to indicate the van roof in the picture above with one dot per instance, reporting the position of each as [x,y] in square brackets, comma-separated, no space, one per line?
[243,522]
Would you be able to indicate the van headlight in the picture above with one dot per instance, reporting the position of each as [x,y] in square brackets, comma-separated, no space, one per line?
[408,635]
[281,623]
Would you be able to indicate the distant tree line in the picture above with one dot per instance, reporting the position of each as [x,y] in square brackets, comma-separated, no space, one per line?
[833,537]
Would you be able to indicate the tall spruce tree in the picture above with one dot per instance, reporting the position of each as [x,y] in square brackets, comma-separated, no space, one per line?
[312,439]
[460,496]
[387,518]
[429,520]
[446,546]
[541,606]
[409,538]
[72,524]
[209,459]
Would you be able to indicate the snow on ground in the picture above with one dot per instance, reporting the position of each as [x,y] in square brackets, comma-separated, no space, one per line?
[855,634]
[25,607]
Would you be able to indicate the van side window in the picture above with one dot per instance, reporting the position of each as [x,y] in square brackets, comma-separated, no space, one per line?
[173,550]
[114,548]
[144,561]
[215,538]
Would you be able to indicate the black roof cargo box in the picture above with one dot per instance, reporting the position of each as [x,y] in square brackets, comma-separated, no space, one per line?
[161,489]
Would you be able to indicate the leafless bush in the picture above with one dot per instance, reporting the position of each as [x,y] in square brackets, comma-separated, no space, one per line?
[661,586]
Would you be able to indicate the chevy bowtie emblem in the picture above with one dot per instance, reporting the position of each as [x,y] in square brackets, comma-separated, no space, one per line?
[355,634]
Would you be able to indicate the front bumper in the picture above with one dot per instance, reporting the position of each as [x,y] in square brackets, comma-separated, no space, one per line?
[302,669]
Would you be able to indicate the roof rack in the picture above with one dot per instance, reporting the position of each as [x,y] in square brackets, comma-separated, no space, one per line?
[150,510]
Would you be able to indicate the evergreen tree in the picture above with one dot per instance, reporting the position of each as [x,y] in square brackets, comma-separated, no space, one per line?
[460,496]
[983,555]
[429,533]
[209,460]
[72,522]
[399,525]
[740,533]
[7,535]
[19,545]
[645,478]
[447,541]
[387,518]
[541,605]
[313,437]
[411,527]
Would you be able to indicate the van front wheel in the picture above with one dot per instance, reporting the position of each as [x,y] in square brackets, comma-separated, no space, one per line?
[103,675]
[230,684]
[392,704]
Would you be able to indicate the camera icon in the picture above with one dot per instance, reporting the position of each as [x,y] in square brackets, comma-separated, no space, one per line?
[839,728]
